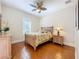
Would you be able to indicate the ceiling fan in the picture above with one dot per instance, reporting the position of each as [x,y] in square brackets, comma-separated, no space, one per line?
[38,6]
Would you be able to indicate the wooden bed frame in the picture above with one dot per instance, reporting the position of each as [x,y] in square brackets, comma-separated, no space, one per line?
[29,38]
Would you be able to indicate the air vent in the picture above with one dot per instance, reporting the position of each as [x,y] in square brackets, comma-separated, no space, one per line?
[68,1]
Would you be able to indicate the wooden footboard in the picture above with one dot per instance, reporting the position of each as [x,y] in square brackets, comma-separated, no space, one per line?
[36,39]
[31,39]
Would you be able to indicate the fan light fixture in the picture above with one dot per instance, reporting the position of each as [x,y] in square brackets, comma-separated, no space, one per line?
[38,6]
[38,10]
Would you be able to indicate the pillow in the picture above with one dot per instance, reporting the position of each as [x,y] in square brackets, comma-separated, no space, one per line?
[44,32]
[47,29]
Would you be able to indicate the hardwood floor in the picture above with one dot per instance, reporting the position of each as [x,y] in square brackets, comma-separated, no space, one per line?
[44,51]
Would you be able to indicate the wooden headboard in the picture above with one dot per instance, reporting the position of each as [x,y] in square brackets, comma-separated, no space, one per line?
[47,29]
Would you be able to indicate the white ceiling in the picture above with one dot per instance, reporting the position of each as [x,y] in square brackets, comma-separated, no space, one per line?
[51,5]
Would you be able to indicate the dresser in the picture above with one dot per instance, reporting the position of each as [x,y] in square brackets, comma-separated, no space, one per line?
[58,39]
[5,47]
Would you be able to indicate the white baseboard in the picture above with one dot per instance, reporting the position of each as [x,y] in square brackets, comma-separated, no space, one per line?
[65,43]
[17,41]
[69,44]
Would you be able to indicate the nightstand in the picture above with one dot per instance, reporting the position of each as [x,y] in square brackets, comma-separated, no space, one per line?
[58,39]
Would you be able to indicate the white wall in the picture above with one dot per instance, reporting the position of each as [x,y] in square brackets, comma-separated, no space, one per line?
[0,6]
[14,18]
[64,18]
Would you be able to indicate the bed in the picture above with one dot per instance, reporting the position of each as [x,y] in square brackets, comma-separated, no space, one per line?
[36,38]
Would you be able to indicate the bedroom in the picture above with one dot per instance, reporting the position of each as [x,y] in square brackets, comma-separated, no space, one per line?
[15,14]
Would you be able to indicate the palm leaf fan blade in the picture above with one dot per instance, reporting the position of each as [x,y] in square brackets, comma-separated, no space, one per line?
[44,8]
[34,10]
[33,5]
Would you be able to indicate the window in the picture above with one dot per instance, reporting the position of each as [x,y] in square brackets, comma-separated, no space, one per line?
[26,26]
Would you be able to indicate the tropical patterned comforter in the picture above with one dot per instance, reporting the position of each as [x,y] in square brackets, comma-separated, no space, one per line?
[34,39]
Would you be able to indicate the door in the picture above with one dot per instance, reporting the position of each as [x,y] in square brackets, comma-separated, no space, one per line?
[77,44]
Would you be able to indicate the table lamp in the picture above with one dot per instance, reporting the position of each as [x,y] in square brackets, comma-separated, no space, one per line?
[59,29]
